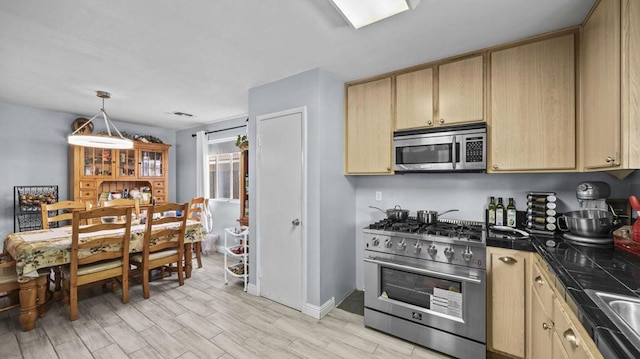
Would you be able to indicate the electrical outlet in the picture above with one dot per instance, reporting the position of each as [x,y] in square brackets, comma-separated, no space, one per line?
[378,196]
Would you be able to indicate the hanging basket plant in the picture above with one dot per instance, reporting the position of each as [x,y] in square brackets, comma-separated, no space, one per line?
[242,142]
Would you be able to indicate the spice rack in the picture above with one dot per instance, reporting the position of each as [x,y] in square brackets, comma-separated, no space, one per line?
[236,247]
[541,212]
[26,206]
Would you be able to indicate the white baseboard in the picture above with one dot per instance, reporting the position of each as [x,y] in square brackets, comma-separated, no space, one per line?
[319,312]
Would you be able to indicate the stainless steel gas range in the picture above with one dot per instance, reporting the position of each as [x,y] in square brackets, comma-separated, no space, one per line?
[427,284]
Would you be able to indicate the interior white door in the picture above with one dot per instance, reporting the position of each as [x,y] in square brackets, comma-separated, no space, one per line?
[280,196]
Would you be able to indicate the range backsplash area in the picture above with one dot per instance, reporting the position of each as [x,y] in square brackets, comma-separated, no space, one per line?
[469,193]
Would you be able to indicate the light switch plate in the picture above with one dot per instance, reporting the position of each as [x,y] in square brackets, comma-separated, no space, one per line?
[378,196]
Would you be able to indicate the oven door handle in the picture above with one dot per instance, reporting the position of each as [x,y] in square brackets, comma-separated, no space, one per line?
[423,271]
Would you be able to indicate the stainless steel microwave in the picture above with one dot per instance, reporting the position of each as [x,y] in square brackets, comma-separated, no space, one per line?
[441,149]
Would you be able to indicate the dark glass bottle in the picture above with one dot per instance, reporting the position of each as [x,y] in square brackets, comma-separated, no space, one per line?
[492,211]
[511,213]
[500,213]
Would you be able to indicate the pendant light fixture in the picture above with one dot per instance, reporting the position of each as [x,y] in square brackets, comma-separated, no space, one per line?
[77,138]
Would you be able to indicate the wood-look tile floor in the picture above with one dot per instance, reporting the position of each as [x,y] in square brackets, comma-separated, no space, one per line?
[202,319]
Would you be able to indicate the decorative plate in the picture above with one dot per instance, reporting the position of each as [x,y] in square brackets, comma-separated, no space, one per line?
[88,129]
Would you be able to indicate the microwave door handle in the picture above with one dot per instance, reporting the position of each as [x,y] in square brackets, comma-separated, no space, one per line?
[453,151]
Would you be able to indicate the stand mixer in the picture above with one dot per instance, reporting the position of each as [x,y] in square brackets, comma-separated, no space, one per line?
[592,224]
[593,194]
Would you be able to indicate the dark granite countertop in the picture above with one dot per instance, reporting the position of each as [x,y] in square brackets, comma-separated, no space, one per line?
[578,267]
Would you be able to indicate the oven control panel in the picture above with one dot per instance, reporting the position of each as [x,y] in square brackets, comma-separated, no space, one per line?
[458,254]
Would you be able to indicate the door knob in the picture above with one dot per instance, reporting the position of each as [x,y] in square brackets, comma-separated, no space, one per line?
[296,222]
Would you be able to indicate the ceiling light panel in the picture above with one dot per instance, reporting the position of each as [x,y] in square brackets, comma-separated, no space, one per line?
[361,13]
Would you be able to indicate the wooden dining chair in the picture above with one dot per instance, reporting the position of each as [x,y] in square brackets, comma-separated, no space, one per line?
[158,253]
[9,286]
[91,262]
[124,202]
[67,208]
[196,213]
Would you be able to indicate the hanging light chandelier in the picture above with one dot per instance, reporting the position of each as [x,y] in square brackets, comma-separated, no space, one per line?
[77,138]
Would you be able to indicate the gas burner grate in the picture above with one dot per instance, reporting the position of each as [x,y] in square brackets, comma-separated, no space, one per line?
[459,229]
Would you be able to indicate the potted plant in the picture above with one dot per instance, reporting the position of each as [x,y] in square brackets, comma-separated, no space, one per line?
[242,142]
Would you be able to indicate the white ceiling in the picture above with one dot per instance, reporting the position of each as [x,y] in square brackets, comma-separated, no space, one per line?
[202,56]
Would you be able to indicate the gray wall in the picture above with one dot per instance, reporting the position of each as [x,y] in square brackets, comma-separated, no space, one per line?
[225,214]
[34,151]
[330,249]
[464,191]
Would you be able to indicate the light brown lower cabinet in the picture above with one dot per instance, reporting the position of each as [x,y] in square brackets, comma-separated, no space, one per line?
[527,316]
[554,331]
[541,329]
[505,300]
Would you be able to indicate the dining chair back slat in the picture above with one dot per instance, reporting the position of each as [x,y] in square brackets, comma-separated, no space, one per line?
[68,206]
[96,258]
[9,285]
[164,253]
[124,202]
[196,212]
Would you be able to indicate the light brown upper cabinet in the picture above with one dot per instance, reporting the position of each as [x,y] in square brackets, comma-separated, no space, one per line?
[610,84]
[414,99]
[461,91]
[532,116]
[369,128]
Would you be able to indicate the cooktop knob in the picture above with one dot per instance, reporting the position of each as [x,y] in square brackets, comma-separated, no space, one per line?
[402,245]
[467,254]
[432,250]
[375,242]
[388,243]
[449,252]
[417,248]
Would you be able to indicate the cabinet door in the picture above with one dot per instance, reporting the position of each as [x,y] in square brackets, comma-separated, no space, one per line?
[152,163]
[97,162]
[369,131]
[572,337]
[558,349]
[533,119]
[126,164]
[507,300]
[414,99]
[600,103]
[541,329]
[461,91]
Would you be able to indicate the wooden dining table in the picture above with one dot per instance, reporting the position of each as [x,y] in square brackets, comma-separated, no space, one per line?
[51,248]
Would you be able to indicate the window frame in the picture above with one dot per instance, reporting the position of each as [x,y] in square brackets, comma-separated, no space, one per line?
[232,161]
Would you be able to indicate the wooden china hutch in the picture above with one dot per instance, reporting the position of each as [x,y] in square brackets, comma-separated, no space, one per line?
[94,171]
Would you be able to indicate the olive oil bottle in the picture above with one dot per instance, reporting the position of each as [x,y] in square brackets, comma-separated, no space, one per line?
[500,215]
[511,213]
[492,211]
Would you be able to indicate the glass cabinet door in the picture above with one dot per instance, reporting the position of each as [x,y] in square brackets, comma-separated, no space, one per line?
[127,163]
[98,162]
[151,164]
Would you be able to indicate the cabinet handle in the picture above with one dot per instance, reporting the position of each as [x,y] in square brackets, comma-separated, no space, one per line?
[429,122]
[442,120]
[571,337]
[388,169]
[508,260]
[546,326]
[539,280]
[495,167]
[610,159]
